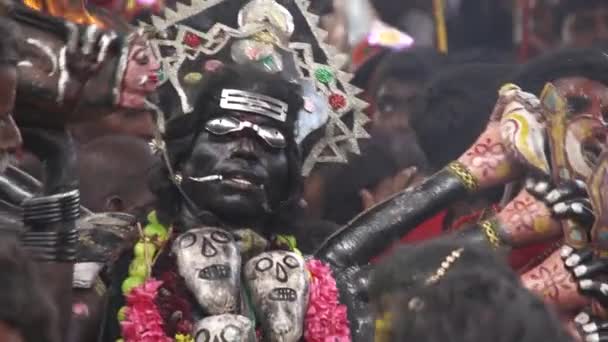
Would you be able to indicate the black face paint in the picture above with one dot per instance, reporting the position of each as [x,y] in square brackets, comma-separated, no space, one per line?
[245,168]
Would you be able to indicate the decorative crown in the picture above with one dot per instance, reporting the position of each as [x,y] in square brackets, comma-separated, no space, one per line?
[266,34]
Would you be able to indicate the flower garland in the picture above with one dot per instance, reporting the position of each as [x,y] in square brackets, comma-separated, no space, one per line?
[326,318]
[142,320]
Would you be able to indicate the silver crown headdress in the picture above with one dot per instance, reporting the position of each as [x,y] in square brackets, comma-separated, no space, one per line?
[265,32]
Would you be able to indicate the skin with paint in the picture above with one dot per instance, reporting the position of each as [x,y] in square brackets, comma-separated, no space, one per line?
[141,75]
[488,160]
[554,283]
[526,220]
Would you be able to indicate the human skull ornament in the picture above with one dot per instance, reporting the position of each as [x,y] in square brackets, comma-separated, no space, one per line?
[278,283]
[224,328]
[209,261]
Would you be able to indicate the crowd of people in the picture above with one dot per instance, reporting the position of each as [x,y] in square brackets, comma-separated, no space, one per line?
[242,170]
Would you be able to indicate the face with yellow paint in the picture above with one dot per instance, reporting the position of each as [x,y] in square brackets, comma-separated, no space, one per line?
[587,128]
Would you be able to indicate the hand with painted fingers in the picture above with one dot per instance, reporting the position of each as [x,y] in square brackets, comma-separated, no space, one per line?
[87,50]
[591,328]
[567,201]
[589,272]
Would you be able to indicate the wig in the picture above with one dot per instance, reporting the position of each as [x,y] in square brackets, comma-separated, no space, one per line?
[474,305]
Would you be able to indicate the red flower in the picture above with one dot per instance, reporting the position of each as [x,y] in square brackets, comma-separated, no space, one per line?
[143,322]
[326,318]
[176,300]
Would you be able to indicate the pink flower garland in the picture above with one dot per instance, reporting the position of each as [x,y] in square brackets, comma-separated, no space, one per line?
[143,322]
[326,318]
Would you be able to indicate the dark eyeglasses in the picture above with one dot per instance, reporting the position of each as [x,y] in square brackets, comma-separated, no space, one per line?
[226,125]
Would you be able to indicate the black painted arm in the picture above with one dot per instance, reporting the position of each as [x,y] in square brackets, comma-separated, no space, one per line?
[372,232]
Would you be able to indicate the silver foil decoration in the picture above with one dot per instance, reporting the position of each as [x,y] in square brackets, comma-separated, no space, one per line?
[262,55]
[209,261]
[257,27]
[315,113]
[224,328]
[278,284]
[245,101]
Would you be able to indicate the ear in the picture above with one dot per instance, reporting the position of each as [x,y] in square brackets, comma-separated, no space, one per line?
[114,203]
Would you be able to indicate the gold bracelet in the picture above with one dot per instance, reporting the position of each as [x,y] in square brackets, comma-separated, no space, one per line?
[489,230]
[464,175]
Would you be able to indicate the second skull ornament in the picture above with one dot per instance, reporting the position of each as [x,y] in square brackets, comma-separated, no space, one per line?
[278,284]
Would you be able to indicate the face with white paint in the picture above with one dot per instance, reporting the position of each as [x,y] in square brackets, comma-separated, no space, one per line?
[587,128]
[141,75]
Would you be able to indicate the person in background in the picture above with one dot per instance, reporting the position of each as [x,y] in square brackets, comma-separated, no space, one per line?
[583,23]
[395,89]
[121,164]
[134,123]
[453,111]
[397,84]
[371,178]
[26,311]
[448,290]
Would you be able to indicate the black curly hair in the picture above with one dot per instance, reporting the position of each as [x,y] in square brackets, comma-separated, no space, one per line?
[182,132]
[455,109]
[590,63]
[415,65]
[410,265]
[478,298]
[474,305]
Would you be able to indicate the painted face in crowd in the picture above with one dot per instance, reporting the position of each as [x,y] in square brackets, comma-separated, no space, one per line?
[587,128]
[238,164]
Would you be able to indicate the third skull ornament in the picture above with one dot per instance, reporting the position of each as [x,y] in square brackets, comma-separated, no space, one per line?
[224,328]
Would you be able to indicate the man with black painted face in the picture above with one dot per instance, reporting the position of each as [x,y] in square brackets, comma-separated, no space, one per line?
[234,158]
[232,163]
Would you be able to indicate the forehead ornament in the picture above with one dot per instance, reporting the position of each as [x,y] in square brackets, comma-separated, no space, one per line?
[246,101]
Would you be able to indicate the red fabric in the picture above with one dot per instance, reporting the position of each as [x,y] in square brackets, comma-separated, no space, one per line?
[434,227]
[426,231]
[362,52]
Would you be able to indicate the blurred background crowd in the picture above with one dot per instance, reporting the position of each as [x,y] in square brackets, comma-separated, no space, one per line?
[430,70]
